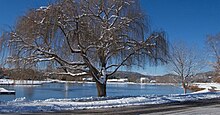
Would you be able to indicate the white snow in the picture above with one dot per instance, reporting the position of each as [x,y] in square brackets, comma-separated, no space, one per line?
[44,8]
[73,74]
[3,90]
[23,105]
[209,87]
[21,82]
[103,79]
[112,16]
[118,80]
[44,59]
[127,3]
[42,21]
[6,82]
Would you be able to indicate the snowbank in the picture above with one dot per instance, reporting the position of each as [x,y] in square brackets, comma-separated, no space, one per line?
[23,105]
[117,80]
[21,82]
[208,87]
[113,81]
[4,91]
[6,82]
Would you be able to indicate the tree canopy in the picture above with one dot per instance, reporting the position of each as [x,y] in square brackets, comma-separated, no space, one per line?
[94,37]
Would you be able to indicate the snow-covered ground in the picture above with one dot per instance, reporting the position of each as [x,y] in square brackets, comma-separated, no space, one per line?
[5,91]
[208,87]
[23,105]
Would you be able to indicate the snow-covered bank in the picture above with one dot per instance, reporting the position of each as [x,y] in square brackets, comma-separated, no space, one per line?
[208,87]
[109,82]
[5,91]
[23,105]
[31,82]
[36,82]
[21,82]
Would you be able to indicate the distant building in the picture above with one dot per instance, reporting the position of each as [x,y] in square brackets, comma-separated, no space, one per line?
[144,80]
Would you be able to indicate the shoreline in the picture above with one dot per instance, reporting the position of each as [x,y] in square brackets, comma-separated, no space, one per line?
[205,106]
[37,82]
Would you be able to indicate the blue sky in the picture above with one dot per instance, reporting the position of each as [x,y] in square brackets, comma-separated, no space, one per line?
[10,10]
[184,20]
[188,20]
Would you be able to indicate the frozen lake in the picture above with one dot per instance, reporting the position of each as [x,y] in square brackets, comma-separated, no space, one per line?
[79,90]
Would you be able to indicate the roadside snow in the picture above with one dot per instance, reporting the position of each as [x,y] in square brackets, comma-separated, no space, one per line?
[22,105]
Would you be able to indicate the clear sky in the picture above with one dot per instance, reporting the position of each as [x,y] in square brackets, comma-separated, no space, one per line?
[190,20]
[185,20]
[10,10]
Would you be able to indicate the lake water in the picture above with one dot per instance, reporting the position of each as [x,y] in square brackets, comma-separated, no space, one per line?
[79,90]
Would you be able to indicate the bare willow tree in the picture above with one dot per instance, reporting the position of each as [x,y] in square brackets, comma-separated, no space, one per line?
[4,49]
[214,44]
[94,37]
[185,62]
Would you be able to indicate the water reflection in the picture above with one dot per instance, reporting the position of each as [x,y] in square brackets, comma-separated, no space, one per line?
[66,90]
[29,91]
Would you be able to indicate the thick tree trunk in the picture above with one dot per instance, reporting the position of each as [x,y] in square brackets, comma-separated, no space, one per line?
[101,89]
[100,81]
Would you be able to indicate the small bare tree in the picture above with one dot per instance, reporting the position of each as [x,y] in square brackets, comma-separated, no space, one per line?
[94,37]
[185,62]
[214,44]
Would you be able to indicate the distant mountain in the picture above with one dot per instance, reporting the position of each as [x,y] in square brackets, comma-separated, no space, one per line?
[131,76]
[135,77]
[204,77]
[167,78]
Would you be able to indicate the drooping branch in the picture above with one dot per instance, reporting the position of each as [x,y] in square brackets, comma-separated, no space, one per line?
[121,64]
[89,36]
